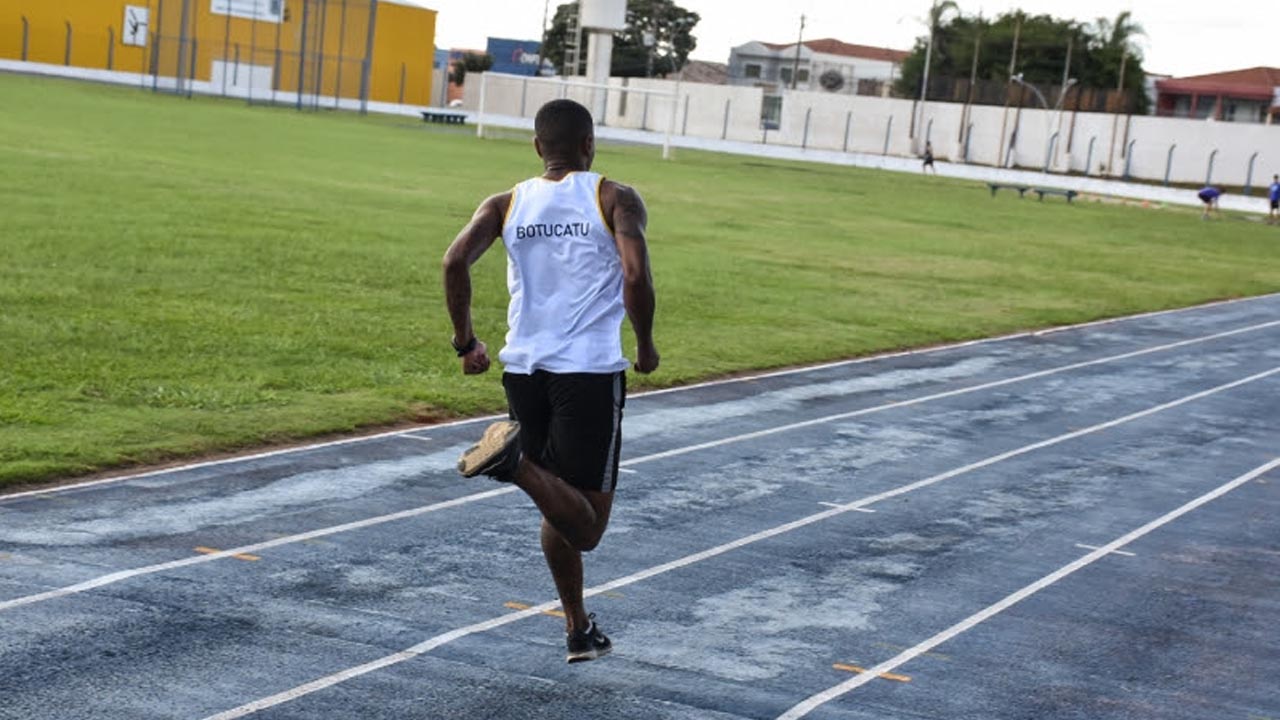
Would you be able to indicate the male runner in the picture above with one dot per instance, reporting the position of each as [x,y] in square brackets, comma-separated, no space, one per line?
[1274,195]
[928,159]
[576,260]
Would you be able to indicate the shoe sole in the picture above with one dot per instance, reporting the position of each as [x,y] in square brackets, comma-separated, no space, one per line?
[479,457]
[591,654]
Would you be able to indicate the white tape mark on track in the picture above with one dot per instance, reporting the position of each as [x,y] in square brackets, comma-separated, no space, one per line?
[682,388]
[445,638]
[412,512]
[808,705]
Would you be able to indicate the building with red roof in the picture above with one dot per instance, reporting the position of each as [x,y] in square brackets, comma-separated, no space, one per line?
[1251,95]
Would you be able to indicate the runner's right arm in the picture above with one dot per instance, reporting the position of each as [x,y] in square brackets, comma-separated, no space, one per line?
[466,249]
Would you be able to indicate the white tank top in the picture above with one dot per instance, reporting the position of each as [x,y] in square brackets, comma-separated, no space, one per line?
[565,278]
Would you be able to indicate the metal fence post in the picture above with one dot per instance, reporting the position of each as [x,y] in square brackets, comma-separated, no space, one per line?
[191,76]
[724,131]
[342,52]
[111,48]
[1208,175]
[848,122]
[644,115]
[26,35]
[967,137]
[928,132]
[804,141]
[368,59]
[1053,141]
[1248,181]
[402,83]
[887,131]
[235,74]
[684,121]
[67,58]
[1128,159]
[524,96]
[1168,164]
[1088,160]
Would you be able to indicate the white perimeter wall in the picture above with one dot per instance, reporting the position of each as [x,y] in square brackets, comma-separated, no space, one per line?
[830,121]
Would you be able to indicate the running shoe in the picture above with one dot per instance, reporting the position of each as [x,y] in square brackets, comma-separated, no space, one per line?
[587,644]
[496,455]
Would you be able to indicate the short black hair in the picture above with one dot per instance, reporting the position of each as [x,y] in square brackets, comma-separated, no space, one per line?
[562,125]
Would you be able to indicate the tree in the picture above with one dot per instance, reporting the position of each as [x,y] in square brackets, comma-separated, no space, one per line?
[470,62]
[670,25]
[1097,50]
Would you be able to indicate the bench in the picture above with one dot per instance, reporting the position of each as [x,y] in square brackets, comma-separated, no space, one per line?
[444,116]
[1022,189]
[1068,194]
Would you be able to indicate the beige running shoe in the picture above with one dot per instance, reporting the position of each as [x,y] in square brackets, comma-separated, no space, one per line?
[496,455]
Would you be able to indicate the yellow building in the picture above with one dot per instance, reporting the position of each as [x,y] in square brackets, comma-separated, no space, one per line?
[312,51]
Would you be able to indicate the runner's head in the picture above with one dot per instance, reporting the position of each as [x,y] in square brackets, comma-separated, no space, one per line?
[564,131]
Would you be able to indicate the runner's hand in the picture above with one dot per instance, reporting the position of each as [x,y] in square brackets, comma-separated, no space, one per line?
[646,359]
[476,361]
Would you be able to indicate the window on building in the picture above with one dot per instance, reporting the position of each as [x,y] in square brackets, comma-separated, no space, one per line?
[802,76]
[771,112]
[265,10]
[752,70]
[785,74]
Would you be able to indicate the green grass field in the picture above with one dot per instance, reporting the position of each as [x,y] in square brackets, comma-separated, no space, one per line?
[183,277]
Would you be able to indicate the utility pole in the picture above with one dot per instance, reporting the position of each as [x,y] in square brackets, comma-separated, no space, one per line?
[1115,117]
[795,66]
[973,80]
[1013,63]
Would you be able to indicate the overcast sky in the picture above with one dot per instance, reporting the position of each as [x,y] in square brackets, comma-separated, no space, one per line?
[1182,37]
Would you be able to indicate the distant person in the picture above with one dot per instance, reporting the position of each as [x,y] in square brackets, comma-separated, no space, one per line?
[1275,199]
[1209,196]
[928,159]
[577,261]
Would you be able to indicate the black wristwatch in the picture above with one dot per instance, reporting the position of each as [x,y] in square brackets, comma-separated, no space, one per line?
[463,349]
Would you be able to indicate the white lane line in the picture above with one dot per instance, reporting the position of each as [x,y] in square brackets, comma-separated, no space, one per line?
[161,567]
[442,639]
[840,505]
[938,396]
[116,577]
[808,705]
[411,436]
[682,388]
[966,343]
[1126,553]
[628,471]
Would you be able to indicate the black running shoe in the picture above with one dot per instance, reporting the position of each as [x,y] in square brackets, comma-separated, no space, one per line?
[589,644]
[496,455]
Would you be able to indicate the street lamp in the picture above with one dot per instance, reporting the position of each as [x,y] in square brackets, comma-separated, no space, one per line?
[1050,112]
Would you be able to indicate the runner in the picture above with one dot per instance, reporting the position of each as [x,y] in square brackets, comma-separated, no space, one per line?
[577,260]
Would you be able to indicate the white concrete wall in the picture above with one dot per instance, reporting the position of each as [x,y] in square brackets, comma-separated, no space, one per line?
[701,114]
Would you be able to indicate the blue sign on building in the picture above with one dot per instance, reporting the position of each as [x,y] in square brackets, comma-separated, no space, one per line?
[515,57]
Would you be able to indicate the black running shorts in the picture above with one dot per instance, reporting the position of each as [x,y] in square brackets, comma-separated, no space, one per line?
[570,423]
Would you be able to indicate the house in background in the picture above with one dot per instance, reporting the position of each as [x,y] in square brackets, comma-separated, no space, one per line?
[1251,96]
[826,64]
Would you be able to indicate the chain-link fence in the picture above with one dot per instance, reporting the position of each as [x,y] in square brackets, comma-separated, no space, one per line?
[312,53]
[309,53]
[1013,94]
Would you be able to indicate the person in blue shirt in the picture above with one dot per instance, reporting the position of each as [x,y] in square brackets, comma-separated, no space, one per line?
[1275,199]
[1209,196]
